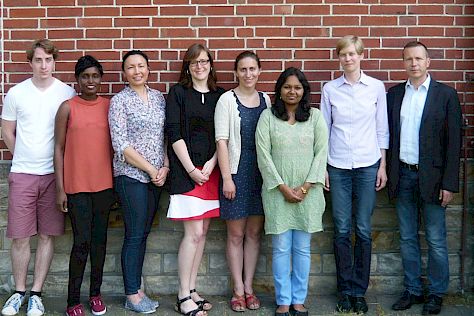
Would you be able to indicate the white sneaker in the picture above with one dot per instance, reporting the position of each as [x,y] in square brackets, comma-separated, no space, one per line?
[35,306]
[13,304]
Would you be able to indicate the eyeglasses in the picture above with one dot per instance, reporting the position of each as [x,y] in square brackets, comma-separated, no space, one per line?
[202,62]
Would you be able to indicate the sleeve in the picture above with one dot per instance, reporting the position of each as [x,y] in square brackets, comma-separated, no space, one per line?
[173,115]
[9,108]
[118,126]
[381,118]
[325,108]
[271,177]
[453,143]
[222,118]
[320,148]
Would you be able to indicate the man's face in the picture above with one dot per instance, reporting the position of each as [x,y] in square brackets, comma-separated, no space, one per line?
[416,62]
[42,64]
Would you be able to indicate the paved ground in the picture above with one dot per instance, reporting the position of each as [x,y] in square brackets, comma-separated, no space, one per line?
[321,305]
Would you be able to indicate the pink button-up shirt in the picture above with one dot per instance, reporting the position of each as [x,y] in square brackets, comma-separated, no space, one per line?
[356,116]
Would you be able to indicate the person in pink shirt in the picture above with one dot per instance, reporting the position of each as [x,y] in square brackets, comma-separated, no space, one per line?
[355,109]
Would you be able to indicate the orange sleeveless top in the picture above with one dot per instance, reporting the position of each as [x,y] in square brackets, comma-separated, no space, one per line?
[88,148]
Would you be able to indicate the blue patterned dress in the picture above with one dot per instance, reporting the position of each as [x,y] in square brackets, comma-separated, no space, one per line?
[247,180]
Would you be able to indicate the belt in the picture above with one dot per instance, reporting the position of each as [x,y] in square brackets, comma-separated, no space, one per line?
[409,167]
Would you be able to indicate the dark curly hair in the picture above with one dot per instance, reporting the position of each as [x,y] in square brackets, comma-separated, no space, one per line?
[302,112]
[87,61]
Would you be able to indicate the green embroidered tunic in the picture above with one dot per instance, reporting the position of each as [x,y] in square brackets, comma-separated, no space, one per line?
[292,154]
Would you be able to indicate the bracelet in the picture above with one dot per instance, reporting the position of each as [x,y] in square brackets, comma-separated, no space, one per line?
[303,190]
[192,170]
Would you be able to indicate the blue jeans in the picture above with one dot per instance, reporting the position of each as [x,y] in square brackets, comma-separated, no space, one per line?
[353,192]
[139,203]
[409,203]
[291,264]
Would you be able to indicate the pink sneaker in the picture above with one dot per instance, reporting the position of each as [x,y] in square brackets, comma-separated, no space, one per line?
[76,310]
[97,305]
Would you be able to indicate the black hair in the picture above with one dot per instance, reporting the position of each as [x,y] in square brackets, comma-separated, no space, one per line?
[302,111]
[85,62]
[131,53]
[246,54]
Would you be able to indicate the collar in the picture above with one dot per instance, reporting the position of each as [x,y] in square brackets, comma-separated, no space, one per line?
[342,79]
[425,84]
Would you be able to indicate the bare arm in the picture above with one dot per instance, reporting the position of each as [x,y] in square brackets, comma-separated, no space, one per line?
[228,185]
[181,150]
[60,130]
[9,135]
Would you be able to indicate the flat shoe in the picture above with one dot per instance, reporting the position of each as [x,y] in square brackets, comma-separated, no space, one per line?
[203,304]
[237,303]
[252,300]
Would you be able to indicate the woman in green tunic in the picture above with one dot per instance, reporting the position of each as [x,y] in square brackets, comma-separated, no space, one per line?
[292,145]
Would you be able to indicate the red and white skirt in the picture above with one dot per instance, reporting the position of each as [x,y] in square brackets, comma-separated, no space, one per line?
[201,202]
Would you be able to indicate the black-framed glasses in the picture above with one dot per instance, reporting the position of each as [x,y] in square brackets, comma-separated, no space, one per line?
[201,62]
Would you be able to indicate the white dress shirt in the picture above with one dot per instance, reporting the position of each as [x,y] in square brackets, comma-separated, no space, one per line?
[410,119]
[356,116]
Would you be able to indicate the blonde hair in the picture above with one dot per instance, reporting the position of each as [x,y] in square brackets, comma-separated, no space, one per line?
[347,41]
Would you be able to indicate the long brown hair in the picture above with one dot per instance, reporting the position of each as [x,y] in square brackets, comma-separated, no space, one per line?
[192,53]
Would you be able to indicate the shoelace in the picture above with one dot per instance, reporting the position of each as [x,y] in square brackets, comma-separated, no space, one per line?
[35,304]
[14,300]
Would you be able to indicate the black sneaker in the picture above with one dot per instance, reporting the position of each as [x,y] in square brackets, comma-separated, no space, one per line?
[344,305]
[406,301]
[432,305]
[360,305]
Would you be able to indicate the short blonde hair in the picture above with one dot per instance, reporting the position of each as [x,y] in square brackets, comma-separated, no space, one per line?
[347,41]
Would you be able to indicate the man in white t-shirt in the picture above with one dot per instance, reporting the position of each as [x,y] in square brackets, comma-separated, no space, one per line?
[28,131]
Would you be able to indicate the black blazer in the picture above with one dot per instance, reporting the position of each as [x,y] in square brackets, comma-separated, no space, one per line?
[439,141]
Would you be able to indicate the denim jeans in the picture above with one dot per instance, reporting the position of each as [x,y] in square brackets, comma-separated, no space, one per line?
[353,193]
[89,213]
[409,203]
[291,264]
[139,203]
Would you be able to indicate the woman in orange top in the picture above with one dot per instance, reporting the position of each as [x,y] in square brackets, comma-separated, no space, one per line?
[83,169]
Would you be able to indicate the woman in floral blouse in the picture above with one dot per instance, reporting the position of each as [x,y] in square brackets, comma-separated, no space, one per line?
[137,120]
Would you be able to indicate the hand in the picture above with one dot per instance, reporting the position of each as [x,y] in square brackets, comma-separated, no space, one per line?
[445,197]
[209,166]
[299,192]
[153,174]
[61,201]
[289,194]
[381,181]
[326,181]
[198,176]
[228,188]
[161,176]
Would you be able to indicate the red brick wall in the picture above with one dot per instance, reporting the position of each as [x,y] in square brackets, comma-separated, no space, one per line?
[284,33]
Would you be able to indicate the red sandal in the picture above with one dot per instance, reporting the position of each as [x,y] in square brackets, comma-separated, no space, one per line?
[252,301]
[237,303]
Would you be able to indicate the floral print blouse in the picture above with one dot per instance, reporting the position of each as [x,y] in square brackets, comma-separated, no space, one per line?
[139,125]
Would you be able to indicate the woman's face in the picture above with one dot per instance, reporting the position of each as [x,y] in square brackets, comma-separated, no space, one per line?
[136,70]
[292,91]
[200,68]
[247,72]
[89,82]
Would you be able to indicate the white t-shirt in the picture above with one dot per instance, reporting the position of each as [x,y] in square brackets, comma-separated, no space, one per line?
[34,112]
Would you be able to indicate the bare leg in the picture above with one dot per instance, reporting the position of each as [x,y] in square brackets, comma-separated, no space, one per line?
[235,252]
[187,254]
[21,255]
[197,262]
[44,256]
[253,236]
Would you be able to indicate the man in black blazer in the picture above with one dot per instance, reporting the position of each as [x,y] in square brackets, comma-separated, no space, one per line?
[423,173]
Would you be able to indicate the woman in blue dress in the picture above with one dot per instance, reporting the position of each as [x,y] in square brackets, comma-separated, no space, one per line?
[236,116]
